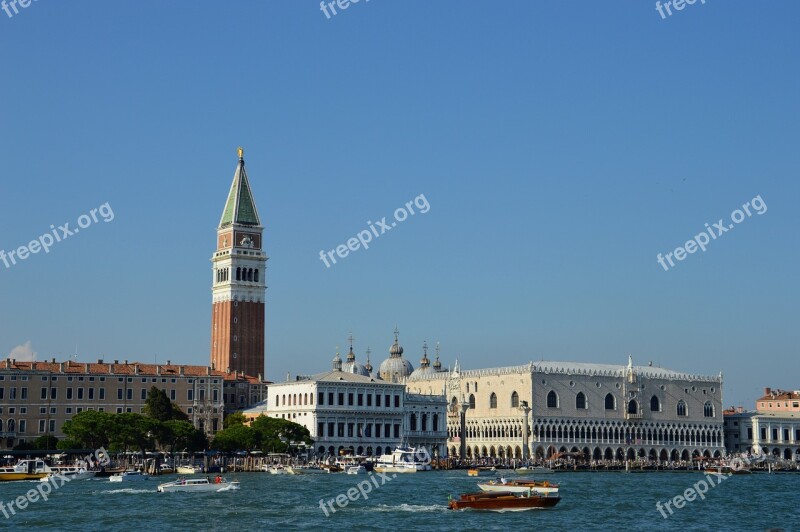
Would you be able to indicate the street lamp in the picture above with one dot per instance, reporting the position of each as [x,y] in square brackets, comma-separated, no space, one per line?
[526,410]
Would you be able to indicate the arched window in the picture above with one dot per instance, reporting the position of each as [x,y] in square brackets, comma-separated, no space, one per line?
[424,421]
[476,386]
[580,401]
[552,399]
[609,402]
[708,409]
[11,425]
[250,275]
[413,421]
[454,405]
[514,400]
[472,401]
[238,274]
[256,276]
[467,387]
[681,408]
[493,400]
[655,404]
[633,408]
[435,422]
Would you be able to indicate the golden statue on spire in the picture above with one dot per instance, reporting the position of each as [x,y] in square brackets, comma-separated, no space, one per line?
[241,152]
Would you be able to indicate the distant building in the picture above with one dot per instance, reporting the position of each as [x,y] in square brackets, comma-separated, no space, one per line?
[348,412]
[601,411]
[773,428]
[36,398]
[238,289]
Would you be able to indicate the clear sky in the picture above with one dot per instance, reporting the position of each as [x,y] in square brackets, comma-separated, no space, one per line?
[560,145]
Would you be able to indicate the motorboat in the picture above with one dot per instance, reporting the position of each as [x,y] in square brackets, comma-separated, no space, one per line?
[535,470]
[503,501]
[188,470]
[276,470]
[129,476]
[404,460]
[306,470]
[193,485]
[71,474]
[356,470]
[521,485]
[25,470]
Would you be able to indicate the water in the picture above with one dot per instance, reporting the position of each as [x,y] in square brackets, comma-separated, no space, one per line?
[617,501]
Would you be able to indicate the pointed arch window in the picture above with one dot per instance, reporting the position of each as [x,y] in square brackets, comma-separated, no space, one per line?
[493,400]
[609,402]
[681,410]
[472,401]
[514,400]
[708,409]
[655,404]
[580,401]
[552,399]
[633,407]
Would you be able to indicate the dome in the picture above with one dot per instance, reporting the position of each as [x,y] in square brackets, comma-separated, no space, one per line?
[337,362]
[351,366]
[424,364]
[395,368]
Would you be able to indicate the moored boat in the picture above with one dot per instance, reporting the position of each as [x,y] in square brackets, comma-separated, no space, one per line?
[306,470]
[195,485]
[188,470]
[71,474]
[404,460]
[25,470]
[356,470]
[520,486]
[503,501]
[129,476]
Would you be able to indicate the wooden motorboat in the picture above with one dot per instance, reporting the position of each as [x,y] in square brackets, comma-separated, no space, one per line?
[503,501]
[520,485]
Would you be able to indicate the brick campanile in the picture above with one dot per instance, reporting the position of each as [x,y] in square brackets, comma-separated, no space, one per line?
[238,290]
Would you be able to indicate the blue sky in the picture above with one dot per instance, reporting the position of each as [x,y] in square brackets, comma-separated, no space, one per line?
[561,147]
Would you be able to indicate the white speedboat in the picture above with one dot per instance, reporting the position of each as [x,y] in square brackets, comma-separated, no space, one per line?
[404,460]
[276,470]
[306,470]
[188,470]
[535,470]
[356,470]
[129,476]
[71,474]
[198,485]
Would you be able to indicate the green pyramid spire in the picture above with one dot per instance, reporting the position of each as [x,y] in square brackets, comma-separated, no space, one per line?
[240,207]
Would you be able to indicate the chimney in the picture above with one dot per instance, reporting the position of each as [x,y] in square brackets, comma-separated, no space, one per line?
[86,368]
[136,369]
[8,363]
[62,367]
[208,370]
[740,410]
[54,361]
[126,362]
[767,391]
[169,362]
[182,370]
[116,362]
[158,370]
[111,369]
[99,360]
[33,365]
[228,370]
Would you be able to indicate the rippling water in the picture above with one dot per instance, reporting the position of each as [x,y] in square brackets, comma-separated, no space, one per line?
[410,502]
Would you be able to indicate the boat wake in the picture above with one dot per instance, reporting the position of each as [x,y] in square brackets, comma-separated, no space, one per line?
[127,490]
[412,508]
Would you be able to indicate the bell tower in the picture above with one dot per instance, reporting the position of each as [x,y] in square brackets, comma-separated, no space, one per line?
[238,289]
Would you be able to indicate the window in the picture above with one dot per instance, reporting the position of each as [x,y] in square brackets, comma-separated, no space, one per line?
[24,392]
[708,409]
[369,399]
[655,404]
[610,403]
[42,410]
[102,393]
[349,399]
[69,393]
[681,410]
[144,394]
[472,401]
[514,400]
[377,399]
[341,400]
[53,392]
[580,401]
[80,393]
[52,425]
[44,393]
[361,399]
[190,395]
[22,425]
[41,425]
[330,398]
[320,429]
[388,402]
[321,398]
[130,394]
[552,399]
[493,400]
[633,407]
[397,401]
[119,393]
[172,395]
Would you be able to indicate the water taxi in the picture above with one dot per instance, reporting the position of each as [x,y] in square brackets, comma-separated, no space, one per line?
[25,470]
[198,485]
[502,501]
[188,470]
[306,470]
[71,474]
[356,470]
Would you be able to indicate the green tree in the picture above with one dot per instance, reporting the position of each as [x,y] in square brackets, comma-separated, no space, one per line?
[158,406]
[177,435]
[134,431]
[235,438]
[276,435]
[91,429]
[45,442]
[237,418]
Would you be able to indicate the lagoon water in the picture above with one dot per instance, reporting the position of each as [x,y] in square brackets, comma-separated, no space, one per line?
[615,501]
